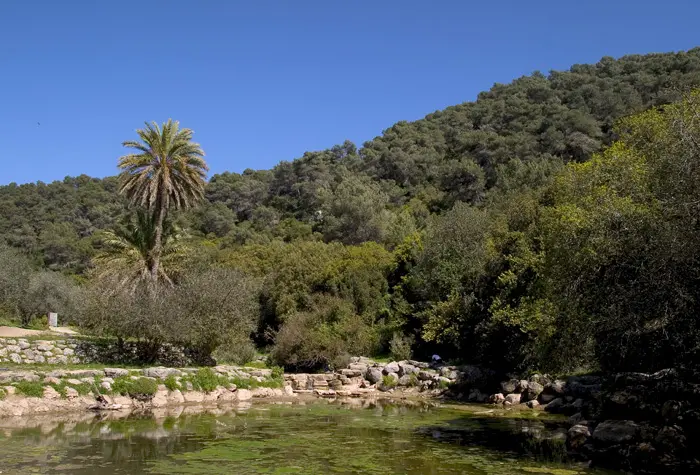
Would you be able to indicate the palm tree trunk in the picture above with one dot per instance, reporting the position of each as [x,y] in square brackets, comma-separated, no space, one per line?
[158,242]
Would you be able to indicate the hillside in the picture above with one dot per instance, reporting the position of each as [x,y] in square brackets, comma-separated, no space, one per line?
[549,225]
[458,154]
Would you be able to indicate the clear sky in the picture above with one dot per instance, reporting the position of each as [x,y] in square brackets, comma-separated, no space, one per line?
[262,81]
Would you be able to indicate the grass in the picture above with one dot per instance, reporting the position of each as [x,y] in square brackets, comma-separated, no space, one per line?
[256,364]
[205,379]
[171,383]
[139,388]
[3,394]
[30,388]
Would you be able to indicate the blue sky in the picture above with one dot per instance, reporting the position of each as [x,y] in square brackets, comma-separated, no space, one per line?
[263,81]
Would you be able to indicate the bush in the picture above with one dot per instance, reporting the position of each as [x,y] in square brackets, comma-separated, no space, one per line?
[389,382]
[204,311]
[236,351]
[207,380]
[139,388]
[171,383]
[30,388]
[325,337]
[3,394]
[400,347]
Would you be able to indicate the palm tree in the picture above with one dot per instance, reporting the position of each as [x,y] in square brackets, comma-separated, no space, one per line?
[127,258]
[167,170]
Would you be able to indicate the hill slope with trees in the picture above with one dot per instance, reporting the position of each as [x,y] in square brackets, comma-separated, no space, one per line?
[486,232]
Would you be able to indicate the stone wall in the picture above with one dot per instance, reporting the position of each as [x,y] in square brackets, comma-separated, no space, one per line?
[30,351]
[86,350]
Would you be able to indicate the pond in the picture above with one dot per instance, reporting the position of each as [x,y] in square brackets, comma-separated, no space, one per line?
[301,438]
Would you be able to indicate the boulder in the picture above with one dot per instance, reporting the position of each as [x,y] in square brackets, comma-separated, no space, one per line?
[160,399]
[51,393]
[175,397]
[670,439]
[374,375]
[532,404]
[406,368]
[161,372]
[392,367]
[557,387]
[15,358]
[615,432]
[497,398]
[115,372]
[546,398]
[74,382]
[44,348]
[425,375]
[577,436]
[244,395]
[556,406]
[405,380]
[476,396]
[513,398]
[193,396]
[522,386]
[509,386]
[23,345]
[71,393]
[532,391]
[448,372]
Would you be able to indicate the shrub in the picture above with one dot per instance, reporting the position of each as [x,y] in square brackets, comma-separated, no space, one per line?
[244,383]
[3,394]
[30,388]
[139,388]
[171,383]
[207,380]
[413,380]
[400,347]
[388,381]
[277,372]
[235,351]
[204,311]
[324,337]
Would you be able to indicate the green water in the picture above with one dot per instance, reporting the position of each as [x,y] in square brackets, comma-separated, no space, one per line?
[315,438]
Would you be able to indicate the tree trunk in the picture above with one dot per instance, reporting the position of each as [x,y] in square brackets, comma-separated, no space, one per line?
[158,241]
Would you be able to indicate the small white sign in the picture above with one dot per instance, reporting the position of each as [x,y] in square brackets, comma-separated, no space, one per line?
[53,319]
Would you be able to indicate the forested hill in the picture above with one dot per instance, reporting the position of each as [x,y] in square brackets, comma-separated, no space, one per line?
[512,136]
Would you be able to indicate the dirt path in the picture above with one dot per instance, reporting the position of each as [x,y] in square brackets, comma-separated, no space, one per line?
[14,332]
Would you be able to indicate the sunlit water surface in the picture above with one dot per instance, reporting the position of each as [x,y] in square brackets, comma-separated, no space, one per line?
[314,438]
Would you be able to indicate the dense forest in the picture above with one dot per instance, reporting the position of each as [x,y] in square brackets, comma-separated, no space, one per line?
[551,224]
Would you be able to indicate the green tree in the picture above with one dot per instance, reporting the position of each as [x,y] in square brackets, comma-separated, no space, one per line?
[167,171]
[126,256]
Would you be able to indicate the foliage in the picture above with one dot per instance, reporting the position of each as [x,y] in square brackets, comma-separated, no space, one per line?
[30,388]
[171,383]
[389,382]
[621,240]
[167,170]
[522,230]
[325,336]
[205,379]
[126,253]
[400,347]
[222,300]
[138,388]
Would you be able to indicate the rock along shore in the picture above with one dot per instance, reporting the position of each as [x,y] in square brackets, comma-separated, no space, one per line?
[26,392]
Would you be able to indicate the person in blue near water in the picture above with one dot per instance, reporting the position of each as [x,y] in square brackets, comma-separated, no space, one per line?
[436,361]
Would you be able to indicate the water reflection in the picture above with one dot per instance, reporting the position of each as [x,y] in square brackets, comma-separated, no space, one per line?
[322,437]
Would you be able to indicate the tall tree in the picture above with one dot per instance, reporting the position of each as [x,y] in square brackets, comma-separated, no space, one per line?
[167,170]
